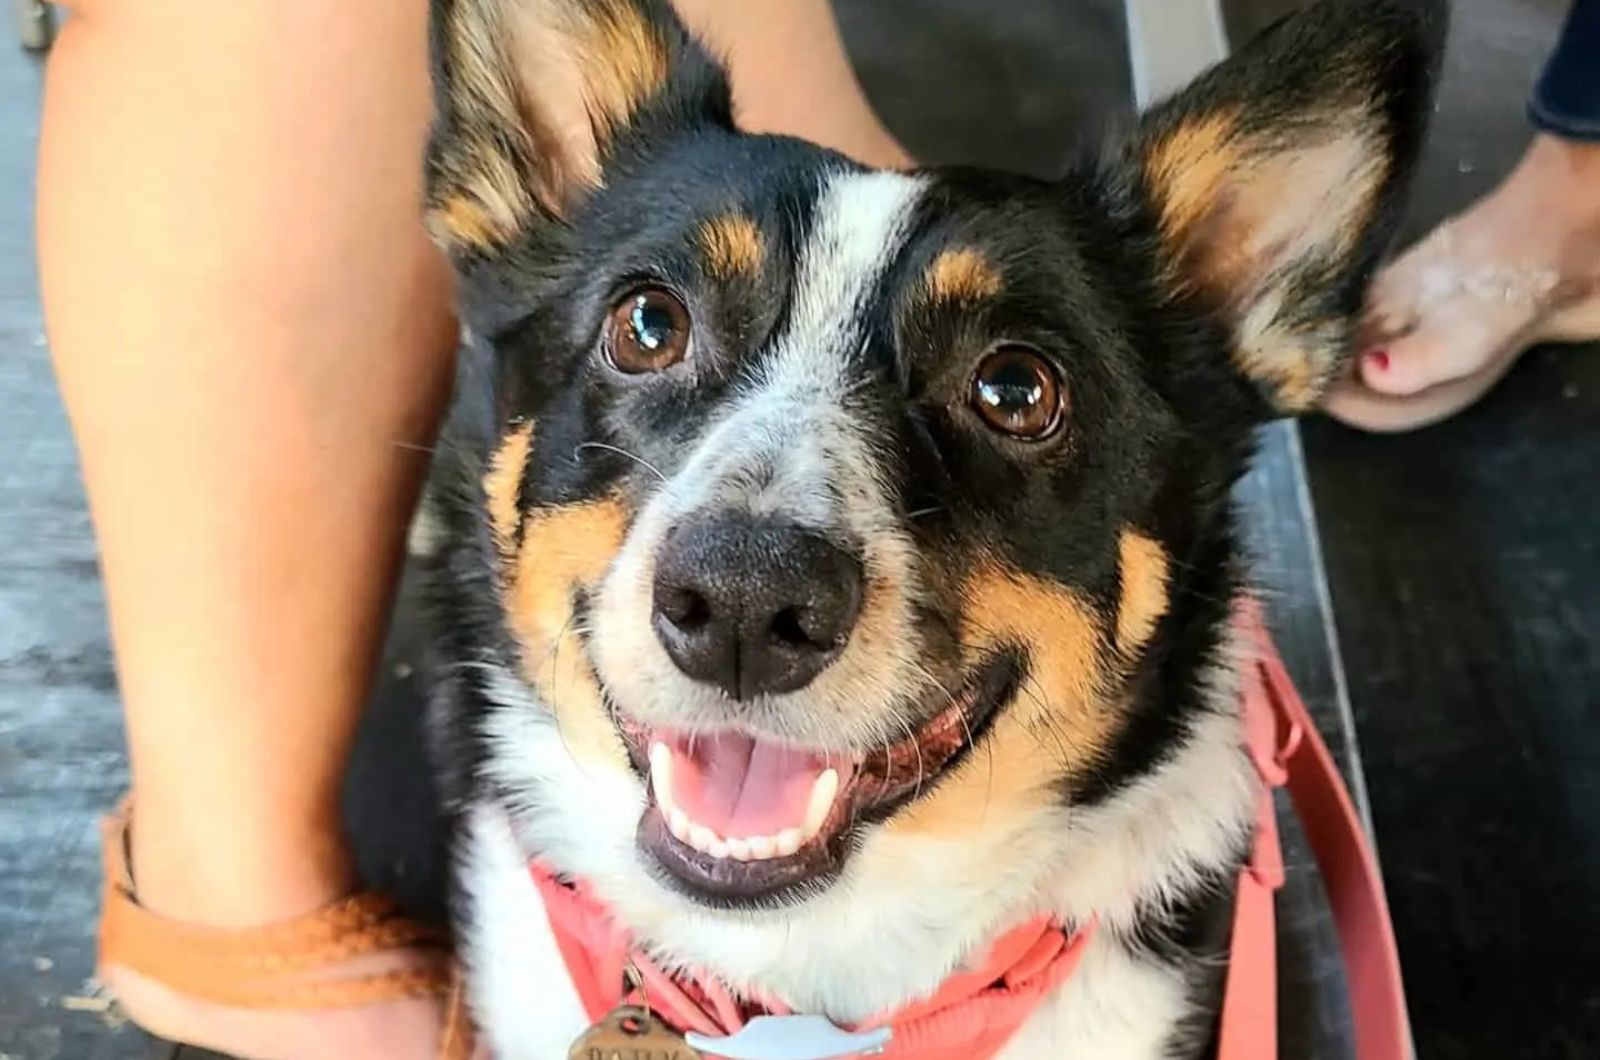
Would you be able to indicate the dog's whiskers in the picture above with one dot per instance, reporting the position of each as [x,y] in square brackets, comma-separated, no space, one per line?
[606,447]
[570,626]
[413,447]
[961,714]
[911,737]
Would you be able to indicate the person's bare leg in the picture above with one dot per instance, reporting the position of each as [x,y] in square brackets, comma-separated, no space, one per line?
[250,330]
[791,75]
[251,333]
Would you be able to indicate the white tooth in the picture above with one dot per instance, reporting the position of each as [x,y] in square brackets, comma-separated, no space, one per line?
[789,841]
[701,837]
[717,848]
[739,849]
[823,790]
[661,774]
[678,822]
[762,847]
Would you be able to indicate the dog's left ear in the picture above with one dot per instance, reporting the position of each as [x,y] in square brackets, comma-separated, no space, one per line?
[533,98]
[1276,180]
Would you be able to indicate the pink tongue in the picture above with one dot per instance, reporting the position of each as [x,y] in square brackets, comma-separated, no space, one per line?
[740,786]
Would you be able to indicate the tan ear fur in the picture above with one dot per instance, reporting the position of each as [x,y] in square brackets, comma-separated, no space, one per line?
[529,92]
[1246,221]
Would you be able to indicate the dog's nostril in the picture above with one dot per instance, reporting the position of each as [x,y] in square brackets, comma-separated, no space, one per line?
[684,608]
[789,628]
[808,629]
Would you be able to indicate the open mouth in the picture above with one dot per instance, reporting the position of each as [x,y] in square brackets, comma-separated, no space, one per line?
[735,816]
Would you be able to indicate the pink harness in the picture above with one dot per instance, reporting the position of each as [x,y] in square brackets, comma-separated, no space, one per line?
[976,1011]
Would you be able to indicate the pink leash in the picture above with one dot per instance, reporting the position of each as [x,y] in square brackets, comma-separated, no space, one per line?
[1288,751]
[973,1014]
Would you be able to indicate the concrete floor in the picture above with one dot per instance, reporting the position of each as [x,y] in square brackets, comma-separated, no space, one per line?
[1461,564]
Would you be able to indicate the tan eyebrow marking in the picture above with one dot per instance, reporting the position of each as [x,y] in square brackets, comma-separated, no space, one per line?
[961,275]
[732,245]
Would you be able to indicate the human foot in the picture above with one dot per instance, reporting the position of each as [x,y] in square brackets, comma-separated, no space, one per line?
[1450,317]
[349,979]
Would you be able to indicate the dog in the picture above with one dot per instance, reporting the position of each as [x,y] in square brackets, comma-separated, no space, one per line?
[837,567]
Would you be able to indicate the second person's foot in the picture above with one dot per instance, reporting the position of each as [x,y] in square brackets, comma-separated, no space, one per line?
[1449,318]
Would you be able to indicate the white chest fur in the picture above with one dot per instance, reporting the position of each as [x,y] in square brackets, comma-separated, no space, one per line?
[522,999]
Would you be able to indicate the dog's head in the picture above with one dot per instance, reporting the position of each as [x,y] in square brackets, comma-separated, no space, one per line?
[832,509]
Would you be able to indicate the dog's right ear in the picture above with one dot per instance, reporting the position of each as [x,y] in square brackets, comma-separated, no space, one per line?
[533,96]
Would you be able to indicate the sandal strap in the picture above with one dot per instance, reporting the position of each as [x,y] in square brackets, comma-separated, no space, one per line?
[291,964]
[1534,286]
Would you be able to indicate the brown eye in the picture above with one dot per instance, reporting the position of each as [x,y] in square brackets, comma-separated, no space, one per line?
[648,331]
[1017,391]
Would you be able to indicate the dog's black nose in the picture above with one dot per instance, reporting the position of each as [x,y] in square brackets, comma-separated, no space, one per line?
[753,608]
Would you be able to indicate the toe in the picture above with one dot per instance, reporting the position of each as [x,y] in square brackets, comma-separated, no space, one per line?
[1424,359]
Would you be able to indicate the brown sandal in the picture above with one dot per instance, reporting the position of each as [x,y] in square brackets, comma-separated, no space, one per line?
[244,986]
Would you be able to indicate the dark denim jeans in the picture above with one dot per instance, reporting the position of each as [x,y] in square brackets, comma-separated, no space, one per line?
[1566,101]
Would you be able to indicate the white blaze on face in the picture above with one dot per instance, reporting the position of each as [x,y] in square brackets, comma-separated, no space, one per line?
[789,448]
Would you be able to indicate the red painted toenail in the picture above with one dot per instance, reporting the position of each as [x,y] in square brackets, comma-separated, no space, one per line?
[1378,360]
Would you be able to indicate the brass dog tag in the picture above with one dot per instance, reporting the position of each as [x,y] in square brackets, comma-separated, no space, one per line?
[629,1033]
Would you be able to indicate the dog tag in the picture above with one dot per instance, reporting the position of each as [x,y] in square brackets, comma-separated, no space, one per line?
[630,1033]
[793,1038]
